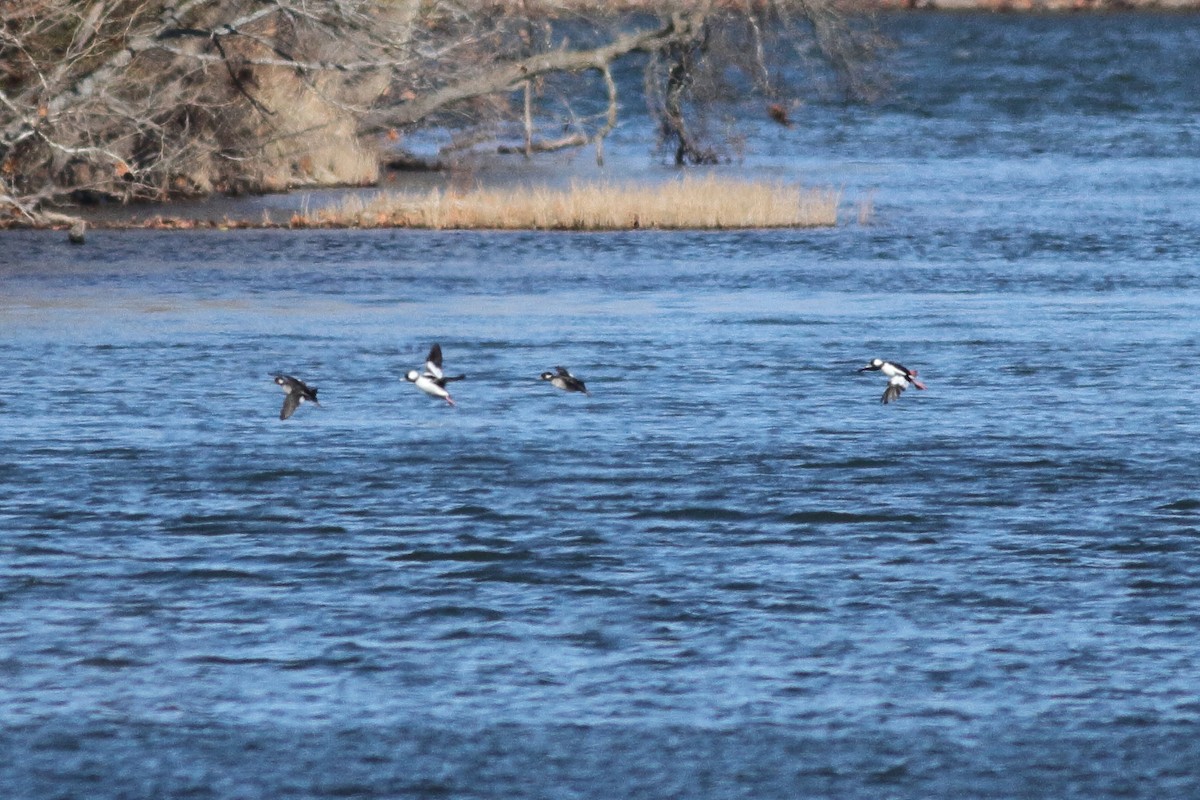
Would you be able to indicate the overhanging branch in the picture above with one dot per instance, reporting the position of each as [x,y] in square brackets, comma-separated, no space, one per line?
[509,77]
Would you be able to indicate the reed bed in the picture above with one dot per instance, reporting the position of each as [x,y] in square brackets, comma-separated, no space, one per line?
[691,203]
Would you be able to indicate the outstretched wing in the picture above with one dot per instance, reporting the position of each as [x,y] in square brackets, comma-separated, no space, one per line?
[892,392]
[433,362]
[290,403]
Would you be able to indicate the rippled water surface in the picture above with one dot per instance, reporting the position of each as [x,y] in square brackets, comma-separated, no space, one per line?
[730,572]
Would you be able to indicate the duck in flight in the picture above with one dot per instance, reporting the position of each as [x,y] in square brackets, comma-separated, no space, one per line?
[433,380]
[563,379]
[295,392]
[899,376]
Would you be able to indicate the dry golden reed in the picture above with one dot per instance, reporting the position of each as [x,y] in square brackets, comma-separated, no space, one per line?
[691,203]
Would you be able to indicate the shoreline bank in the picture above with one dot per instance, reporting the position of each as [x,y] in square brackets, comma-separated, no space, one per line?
[1037,6]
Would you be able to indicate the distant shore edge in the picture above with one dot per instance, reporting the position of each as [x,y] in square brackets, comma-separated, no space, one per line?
[1031,6]
[999,6]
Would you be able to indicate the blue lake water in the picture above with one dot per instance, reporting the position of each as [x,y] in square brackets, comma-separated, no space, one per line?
[730,572]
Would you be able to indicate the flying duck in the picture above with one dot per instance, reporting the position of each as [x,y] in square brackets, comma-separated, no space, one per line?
[295,392]
[899,376]
[433,381]
[563,379]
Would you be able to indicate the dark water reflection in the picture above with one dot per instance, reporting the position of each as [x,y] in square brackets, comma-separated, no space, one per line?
[729,572]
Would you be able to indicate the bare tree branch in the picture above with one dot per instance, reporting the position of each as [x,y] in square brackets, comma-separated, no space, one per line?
[507,77]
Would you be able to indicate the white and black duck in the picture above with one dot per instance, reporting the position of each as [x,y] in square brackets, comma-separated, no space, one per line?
[563,379]
[433,380]
[899,376]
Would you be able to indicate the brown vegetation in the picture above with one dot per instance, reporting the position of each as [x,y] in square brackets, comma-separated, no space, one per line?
[690,203]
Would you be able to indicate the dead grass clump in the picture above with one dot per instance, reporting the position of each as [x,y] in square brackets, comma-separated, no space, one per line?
[690,203]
